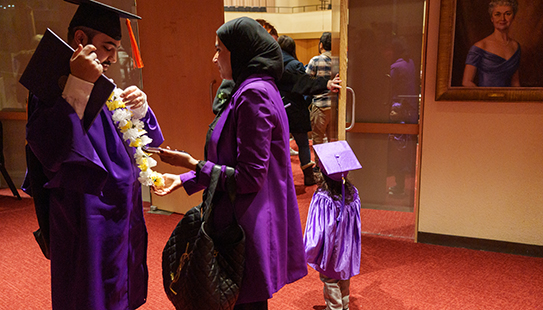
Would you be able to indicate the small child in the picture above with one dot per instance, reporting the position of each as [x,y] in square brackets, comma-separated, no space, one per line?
[332,231]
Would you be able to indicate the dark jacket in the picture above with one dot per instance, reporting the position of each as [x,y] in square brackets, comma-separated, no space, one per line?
[295,104]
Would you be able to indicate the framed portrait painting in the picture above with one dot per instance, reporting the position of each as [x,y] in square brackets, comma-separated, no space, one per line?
[463,26]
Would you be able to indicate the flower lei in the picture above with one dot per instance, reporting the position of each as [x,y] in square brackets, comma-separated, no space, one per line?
[133,131]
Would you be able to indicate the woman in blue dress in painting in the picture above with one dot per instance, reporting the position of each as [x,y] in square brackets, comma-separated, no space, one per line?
[495,59]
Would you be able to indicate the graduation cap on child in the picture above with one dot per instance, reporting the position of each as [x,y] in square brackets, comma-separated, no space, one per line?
[106,19]
[336,159]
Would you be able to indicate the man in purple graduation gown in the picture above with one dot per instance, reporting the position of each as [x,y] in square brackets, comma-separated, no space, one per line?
[89,179]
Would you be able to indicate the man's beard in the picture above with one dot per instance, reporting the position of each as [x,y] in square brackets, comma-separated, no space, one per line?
[105,65]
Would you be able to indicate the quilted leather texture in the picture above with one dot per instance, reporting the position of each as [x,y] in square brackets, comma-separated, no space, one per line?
[183,236]
[202,270]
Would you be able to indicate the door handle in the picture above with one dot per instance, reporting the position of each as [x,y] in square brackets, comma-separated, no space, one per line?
[353,120]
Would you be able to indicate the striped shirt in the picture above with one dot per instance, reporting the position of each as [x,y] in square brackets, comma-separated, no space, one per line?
[321,66]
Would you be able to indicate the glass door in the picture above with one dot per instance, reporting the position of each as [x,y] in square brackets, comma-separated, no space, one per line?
[382,44]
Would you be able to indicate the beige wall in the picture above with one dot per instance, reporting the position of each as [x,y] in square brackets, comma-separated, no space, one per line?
[481,169]
[305,28]
[299,25]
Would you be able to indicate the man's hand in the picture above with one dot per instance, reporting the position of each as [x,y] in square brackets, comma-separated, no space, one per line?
[133,97]
[334,84]
[85,65]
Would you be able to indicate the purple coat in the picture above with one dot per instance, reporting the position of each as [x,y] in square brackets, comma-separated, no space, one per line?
[97,230]
[252,136]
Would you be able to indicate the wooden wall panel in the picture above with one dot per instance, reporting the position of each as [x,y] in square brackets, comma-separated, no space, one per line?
[177,40]
[306,49]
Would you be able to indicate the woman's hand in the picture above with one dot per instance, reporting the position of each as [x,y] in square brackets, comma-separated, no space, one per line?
[171,183]
[178,158]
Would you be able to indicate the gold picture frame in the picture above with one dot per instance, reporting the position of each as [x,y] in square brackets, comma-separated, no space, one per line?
[445,90]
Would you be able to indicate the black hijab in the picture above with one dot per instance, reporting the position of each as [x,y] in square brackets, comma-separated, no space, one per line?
[253,49]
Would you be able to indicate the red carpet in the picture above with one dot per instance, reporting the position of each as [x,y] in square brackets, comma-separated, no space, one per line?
[396,273]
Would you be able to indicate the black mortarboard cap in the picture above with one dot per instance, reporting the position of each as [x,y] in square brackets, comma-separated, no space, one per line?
[100,17]
[336,159]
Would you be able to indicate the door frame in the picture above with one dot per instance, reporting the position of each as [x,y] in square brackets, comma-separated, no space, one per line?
[340,23]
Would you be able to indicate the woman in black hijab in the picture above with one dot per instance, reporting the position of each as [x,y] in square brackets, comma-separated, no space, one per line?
[251,135]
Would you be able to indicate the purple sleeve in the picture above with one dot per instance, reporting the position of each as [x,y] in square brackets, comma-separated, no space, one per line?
[193,183]
[255,123]
[190,185]
[474,56]
[153,128]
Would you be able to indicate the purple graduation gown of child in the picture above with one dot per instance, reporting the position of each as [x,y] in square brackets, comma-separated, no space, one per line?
[97,229]
[332,245]
[251,135]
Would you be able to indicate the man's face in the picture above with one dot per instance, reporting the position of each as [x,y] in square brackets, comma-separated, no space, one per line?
[106,49]
[222,59]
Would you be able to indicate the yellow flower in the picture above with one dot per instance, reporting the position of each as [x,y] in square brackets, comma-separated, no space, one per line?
[115,104]
[112,96]
[158,180]
[136,143]
[127,126]
[143,164]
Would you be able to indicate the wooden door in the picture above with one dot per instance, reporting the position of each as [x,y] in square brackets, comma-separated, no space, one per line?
[177,42]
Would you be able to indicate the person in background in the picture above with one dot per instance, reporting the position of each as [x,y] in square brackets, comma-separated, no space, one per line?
[495,59]
[85,183]
[297,110]
[273,32]
[269,27]
[321,112]
[250,135]
[404,107]
[333,230]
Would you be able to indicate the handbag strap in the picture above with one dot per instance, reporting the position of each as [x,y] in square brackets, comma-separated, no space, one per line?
[230,187]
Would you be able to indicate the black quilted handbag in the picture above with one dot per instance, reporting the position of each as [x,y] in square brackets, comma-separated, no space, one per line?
[203,268]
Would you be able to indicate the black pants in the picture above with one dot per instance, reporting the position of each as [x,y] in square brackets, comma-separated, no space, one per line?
[259,305]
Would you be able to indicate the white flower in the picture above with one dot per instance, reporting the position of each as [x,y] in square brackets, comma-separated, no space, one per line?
[146,140]
[145,177]
[133,131]
[139,152]
[138,124]
[121,115]
[151,162]
[131,134]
